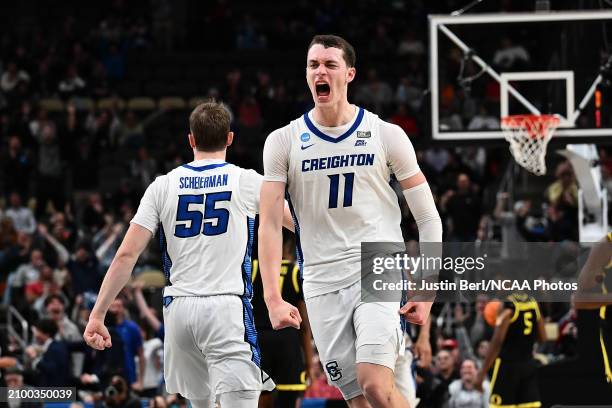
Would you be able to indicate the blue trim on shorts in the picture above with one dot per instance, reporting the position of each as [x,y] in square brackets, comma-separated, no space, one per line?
[298,243]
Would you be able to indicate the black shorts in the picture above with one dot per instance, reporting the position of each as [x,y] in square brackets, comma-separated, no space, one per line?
[281,358]
[514,383]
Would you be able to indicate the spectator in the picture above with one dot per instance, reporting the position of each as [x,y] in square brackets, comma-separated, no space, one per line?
[144,168]
[50,183]
[12,77]
[47,357]
[249,113]
[22,216]
[381,43]
[446,374]
[72,84]
[510,236]
[481,351]
[374,94]
[119,394]
[17,160]
[101,365]
[563,193]
[130,131]
[406,121]
[36,125]
[463,210]
[483,121]
[83,268]
[106,242]
[132,340]
[114,63]
[55,307]
[411,46]
[437,158]
[9,250]
[509,56]
[248,36]
[30,272]
[153,375]
[93,214]
[14,381]
[408,93]
[146,312]
[462,392]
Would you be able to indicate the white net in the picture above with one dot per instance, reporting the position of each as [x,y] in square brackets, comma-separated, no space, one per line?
[528,136]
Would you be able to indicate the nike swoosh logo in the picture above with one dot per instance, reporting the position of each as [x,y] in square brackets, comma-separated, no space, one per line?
[306,147]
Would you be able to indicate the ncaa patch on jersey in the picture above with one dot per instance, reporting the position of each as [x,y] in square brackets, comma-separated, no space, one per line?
[364,134]
[304,137]
[360,142]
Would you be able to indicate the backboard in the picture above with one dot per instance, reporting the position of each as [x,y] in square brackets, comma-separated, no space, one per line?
[485,66]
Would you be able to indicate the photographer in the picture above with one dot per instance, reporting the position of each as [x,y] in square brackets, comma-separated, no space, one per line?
[119,395]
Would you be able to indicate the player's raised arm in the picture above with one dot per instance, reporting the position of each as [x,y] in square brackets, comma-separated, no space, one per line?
[136,240]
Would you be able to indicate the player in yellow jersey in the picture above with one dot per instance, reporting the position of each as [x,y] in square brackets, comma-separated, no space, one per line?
[594,285]
[514,377]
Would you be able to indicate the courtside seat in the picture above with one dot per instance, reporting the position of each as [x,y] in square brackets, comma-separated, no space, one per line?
[141,103]
[52,104]
[111,103]
[195,101]
[172,103]
[83,104]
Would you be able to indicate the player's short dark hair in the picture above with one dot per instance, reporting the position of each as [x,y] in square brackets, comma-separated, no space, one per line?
[329,40]
[47,326]
[209,124]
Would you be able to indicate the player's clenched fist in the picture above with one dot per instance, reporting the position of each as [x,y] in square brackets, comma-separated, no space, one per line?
[96,335]
[283,314]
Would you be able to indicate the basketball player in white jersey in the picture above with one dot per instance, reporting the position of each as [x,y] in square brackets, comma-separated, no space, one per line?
[335,165]
[205,214]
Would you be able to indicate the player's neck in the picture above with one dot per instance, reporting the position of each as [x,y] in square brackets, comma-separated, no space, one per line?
[220,155]
[336,115]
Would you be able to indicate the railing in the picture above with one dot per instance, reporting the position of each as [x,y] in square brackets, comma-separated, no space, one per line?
[22,339]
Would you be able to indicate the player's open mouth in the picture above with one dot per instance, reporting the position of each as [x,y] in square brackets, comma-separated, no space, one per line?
[322,89]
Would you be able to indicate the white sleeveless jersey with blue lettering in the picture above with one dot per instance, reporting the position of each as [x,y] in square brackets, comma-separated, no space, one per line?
[338,188]
[205,213]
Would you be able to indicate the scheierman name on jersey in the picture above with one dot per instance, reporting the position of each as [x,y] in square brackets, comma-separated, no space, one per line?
[332,162]
[203,182]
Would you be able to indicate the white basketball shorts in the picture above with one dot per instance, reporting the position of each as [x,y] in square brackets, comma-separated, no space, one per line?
[210,347]
[347,331]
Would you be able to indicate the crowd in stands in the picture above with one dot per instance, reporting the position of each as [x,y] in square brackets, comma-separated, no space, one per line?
[71,178]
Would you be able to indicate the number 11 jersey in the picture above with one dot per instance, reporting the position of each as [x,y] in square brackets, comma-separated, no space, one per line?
[338,190]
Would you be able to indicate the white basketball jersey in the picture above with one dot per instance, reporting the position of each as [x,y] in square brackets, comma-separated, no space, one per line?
[338,190]
[205,211]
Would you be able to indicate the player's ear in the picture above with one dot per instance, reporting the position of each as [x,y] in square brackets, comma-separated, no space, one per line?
[191,139]
[230,139]
[350,75]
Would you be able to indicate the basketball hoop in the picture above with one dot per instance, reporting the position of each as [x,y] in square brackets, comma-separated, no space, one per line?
[528,136]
